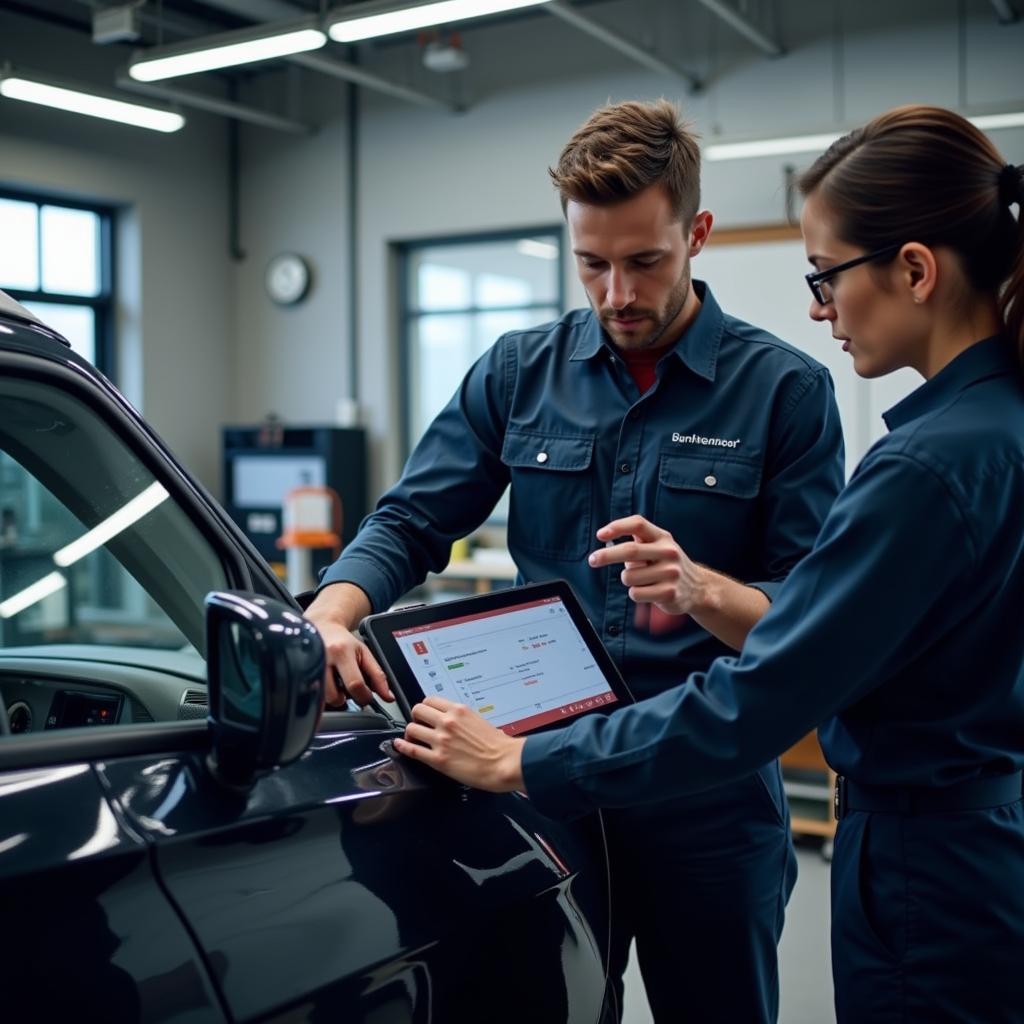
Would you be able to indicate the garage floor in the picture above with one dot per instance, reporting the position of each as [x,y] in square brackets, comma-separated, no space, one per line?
[805,962]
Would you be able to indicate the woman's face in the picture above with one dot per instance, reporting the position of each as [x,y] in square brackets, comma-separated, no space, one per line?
[870,313]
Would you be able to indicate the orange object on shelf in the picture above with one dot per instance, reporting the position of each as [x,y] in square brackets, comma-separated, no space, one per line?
[311,519]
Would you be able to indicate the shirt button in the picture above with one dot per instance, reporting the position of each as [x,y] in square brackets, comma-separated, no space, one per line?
[625,467]
[710,480]
[542,457]
[614,630]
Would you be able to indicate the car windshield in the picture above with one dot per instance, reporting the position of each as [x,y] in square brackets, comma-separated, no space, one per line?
[93,550]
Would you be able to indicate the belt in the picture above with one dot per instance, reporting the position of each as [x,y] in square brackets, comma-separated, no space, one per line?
[972,795]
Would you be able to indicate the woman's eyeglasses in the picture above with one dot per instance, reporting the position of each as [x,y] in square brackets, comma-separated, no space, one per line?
[818,280]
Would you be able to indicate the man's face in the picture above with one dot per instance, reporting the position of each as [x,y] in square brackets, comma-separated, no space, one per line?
[633,259]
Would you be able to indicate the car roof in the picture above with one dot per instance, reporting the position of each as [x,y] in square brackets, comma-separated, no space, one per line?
[8,307]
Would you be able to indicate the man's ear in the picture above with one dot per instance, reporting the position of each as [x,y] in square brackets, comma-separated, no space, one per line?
[700,231]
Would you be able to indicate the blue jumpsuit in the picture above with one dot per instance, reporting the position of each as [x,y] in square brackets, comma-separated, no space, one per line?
[736,450]
[905,623]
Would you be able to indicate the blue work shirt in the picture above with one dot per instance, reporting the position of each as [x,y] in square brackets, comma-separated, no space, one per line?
[736,450]
[905,619]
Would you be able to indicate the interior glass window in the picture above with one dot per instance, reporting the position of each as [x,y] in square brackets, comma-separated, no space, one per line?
[93,550]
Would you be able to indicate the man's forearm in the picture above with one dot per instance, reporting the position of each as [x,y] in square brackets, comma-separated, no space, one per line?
[343,604]
[728,609]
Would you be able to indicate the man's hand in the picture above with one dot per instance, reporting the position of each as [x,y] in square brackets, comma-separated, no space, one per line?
[655,568]
[348,658]
[456,741]
[657,571]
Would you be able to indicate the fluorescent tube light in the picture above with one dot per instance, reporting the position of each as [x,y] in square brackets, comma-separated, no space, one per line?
[227,49]
[542,250]
[31,595]
[769,147]
[348,25]
[989,122]
[130,513]
[819,143]
[32,88]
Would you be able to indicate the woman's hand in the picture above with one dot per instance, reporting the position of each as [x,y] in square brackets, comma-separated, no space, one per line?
[456,741]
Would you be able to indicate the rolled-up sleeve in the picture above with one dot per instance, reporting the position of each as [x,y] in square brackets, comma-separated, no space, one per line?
[803,477]
[893,548]
[452,481]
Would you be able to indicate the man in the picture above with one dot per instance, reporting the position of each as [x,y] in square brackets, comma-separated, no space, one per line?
[696,441]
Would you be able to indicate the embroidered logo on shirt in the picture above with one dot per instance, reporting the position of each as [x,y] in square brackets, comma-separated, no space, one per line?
[711,442]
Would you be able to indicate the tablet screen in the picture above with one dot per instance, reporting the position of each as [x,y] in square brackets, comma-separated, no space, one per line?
[522,666]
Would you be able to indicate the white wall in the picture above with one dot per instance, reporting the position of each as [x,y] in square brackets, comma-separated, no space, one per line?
[425,173]
[175,310]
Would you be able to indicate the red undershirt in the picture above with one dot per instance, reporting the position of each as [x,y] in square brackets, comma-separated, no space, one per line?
[641,366]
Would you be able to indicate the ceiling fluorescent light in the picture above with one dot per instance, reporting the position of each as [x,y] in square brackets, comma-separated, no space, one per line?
[533,247]
[990,122]
[228,49]
[819,143]
[769,147]
[365,21]
[47,92]
[129,514]
[32,595]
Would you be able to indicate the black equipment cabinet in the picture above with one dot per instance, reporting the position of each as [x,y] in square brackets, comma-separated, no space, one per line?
[263,463]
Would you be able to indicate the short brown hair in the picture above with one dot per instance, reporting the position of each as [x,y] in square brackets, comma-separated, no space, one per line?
[925,174]
[623,149]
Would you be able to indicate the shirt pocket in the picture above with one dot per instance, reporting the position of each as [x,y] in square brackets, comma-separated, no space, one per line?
[551,494]
[709,503]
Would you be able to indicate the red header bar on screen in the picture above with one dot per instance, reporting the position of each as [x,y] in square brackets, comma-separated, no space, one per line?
[472,618]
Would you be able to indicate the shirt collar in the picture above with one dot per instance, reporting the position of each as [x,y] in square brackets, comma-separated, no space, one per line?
[697,348]
[986,358]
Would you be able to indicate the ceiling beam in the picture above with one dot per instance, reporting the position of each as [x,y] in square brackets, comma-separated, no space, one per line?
[742,24]
[1005,11]
[266,10]
[573,16]
[214,105]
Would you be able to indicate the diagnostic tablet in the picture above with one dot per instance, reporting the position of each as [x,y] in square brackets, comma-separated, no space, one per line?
[526,658]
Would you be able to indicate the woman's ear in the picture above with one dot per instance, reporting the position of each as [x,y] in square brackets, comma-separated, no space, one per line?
[918,270]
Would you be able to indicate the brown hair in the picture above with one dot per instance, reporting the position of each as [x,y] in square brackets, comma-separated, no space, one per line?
[625,148]
[925,174]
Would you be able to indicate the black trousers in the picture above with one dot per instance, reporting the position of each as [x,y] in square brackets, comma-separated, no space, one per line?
[702,884]
[928,917]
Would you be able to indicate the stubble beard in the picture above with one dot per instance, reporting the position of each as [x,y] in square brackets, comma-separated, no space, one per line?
[673,307]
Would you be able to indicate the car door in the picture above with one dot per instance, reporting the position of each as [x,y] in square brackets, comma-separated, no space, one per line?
[348,885]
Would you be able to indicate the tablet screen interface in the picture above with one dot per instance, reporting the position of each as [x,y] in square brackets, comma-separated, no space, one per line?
[521,667]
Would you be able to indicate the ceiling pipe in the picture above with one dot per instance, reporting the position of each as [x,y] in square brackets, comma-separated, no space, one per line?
[744,26]
[273,10]
[640,54]
[213,105]
[1005,11]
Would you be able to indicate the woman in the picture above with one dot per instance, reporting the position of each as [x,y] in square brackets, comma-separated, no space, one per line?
[904,622]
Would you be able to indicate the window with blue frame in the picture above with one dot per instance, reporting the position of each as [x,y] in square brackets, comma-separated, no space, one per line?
[459,294]
[57,261]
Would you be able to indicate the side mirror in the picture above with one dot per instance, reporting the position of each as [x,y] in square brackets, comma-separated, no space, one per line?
[265,674]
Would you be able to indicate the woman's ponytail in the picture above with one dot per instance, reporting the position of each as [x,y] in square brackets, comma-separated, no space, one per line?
[1011,190]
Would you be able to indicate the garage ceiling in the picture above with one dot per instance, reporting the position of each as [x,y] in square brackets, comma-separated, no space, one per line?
[687,42]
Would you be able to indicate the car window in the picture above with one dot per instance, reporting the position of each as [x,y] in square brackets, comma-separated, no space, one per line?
[93,549]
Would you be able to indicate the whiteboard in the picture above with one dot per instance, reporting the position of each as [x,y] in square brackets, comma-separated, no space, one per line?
[760,279]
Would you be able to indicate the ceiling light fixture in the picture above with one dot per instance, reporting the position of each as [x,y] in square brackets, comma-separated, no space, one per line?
[117,522]
[227,49]
[819,143]
[534,247]
[366,21]
[47,92]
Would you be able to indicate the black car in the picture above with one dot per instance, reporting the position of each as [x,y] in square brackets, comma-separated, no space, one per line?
[183,835]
